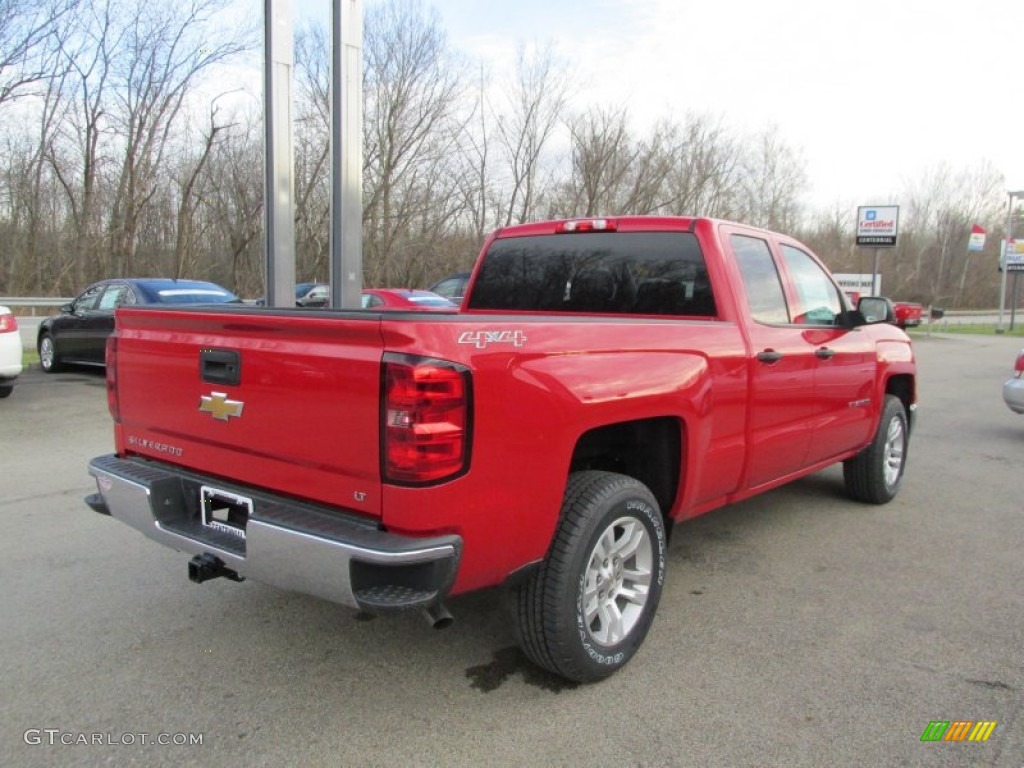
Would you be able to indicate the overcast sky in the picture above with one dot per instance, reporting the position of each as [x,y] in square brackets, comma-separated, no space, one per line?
[873,92]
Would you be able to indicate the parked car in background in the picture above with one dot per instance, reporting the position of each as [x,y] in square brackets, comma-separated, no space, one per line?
[452,288]
[307,295]
[10,351]
[312,295]
[404,298]
[1013,389]
[79,333]
[908,314]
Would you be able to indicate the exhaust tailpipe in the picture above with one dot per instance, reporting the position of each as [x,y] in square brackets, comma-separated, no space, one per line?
[438,616]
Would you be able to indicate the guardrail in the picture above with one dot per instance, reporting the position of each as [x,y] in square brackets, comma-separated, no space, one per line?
[27,305]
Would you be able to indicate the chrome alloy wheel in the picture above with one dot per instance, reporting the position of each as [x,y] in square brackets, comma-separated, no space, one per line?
[617,581]
[47,353]
[895,446]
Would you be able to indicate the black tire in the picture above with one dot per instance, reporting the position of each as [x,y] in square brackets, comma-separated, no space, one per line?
[552,608]
[49,360]
[6,390]
[875,474]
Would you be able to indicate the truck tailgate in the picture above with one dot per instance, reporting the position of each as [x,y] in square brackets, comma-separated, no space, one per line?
[284,400]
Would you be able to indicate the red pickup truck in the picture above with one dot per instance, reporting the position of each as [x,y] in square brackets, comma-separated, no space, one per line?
[603,380]
[908,314]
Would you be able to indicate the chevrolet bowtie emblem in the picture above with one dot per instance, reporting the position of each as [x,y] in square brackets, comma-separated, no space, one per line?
[217,405]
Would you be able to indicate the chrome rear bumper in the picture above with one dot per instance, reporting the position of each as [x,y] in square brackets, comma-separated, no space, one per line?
[285,543]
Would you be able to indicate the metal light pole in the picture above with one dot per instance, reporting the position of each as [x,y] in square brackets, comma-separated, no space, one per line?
[346,153]
[278,170]
[1006,248]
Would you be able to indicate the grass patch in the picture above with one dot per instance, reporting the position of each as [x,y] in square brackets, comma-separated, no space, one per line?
[28,357]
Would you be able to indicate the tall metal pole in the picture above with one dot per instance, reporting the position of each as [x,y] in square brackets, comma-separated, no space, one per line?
[876,284]
[346,153]
[278,178]
[1006,257]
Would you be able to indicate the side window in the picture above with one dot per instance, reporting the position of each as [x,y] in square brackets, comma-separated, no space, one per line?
[765,296]
[453,286]
[113,297]
[87,301]
[370,301]
[818,300]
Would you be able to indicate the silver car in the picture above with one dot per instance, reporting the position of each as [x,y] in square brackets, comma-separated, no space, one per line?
[1013,389]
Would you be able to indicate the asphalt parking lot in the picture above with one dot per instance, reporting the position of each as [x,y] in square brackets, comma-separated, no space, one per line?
[795,629]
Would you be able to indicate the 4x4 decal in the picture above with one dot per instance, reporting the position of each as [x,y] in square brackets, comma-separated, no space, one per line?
[481,339]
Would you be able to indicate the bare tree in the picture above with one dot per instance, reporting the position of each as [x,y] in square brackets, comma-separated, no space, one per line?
[931,263]
[192,198]
[412,88]
[773,177]
[30,35]
[602,156]
[475,184]
[233,178]
[536,102]
[165,50]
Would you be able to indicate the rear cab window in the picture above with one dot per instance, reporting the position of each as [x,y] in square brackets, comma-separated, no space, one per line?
[636,273]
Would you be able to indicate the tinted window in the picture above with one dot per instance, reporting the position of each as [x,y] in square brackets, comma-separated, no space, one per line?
[655,273]
[765,296]
[88,299]
[452,286]
[431,301]
[182,292]
[818,300]
[114,296]
[193,296]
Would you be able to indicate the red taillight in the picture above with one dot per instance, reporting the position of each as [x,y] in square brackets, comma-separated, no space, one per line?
[425,420]
[586,225]
[8,323]
[1019,365]
[113,403]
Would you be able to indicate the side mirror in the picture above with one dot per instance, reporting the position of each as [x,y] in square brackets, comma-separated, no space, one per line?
[68,308]
[876,309]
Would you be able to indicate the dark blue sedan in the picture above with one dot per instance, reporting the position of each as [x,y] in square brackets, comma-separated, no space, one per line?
[79,333]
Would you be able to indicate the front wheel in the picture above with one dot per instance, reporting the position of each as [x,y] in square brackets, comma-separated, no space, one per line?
[587,610]
[48,359]
[874,475]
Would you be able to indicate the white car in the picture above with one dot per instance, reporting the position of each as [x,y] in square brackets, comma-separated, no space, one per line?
[10,351]
[1013,389]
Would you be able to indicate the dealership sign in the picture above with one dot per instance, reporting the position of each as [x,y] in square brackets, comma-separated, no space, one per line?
[1012,256]
[860,284]
[877,225]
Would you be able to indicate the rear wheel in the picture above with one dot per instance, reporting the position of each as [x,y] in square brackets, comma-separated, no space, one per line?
[48,359]
[6,390]
[587,610]
[875,474]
